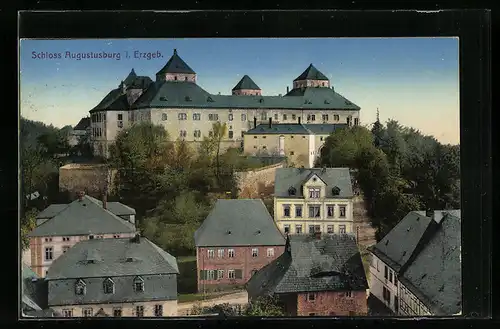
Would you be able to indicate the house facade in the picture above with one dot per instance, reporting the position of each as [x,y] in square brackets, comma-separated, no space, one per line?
[79,132]
[317,275]
[61,226]
[300,143]
[237,239]
[407,273]
[315,199]
[114,278]
[175,101]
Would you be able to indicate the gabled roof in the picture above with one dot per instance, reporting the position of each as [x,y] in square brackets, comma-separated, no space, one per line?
[238,222]
[311,73]
[396,248]
[246,83]
[83,218]
[295,177]
[111,256]
[83,124]
[435,274]
[109,99]
[332,263]
[130,78]
[176,65]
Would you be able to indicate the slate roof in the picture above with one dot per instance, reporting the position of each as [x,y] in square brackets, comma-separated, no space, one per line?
[176,65]
[434,276]
[396,248]
[238,222]
[130,77]
[109,100]
[286,178]
[311,73]
[246,83]
[332,263]
[294,129]
[140,82]
[34,290]
[172,94]
[51,211]
[83,218]
[83,124]
[110,256]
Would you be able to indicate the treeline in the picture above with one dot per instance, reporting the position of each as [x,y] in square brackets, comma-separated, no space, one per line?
[172,186]
[398,169]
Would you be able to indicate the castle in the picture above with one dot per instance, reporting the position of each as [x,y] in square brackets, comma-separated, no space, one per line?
[175,101]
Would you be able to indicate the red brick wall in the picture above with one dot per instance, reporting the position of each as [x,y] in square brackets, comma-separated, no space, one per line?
[330,303]
[247,92]
[242,260]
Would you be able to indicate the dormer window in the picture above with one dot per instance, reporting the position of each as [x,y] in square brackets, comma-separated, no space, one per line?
[139,284]
[314,193]
[210,99]
[292,191]
[108,286]
[163,99]
[187,98]
[335,190]
[80,287]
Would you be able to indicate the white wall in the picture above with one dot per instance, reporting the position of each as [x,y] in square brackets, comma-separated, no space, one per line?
[377,282]
[128,309]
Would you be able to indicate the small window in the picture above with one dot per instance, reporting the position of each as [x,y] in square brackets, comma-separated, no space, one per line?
[243,117]
[286,210]
[87,312]
[336,117]
[182,116]
[298,211]
[164,116]
[286,227]
[120,124]
[196,116]
[108,286]
[230,134]
[255,252]
[65,248]
[270,252]
[49,253]
[311,297]
[298,229]
[230,117]
[325,117]
[329,229]
[182,133]
[48,239]
[68,313]
[230,274]
[386,272]
[314,193]
[175,78]
[390,276]
[159,307]
[220,274]
[220,253]
[329,210]
[342,211]
[230,253]
[348,294]
[356,121]
[211,275]
[211,253]
[342,229]
[80,288]
[284,117]
[65,238]
[139,284]
[314,211]
[120,116]
[294,117]
[276,117]
[139,311]
[312,314]
[117,312]
[185,78]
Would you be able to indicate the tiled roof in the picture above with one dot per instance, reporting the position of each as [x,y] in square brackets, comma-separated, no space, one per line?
[83,124]
[399,244]
[176,65]
[294,129]
[434,276]
[332,263]
[185,94]
[311,73]
[83,218]
[122,260]
[287,178]
[238,222]
[246,83]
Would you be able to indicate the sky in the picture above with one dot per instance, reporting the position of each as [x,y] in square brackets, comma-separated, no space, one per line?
[412,80]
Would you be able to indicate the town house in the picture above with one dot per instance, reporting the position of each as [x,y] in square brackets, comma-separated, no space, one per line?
[416,268]
[120,277]
[317,275]
[61,226]
[236,239]
[316,199]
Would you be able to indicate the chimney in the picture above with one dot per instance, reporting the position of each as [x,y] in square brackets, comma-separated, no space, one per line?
[254,122]
[270,122]
[299,120]
[317,235]
[80,195]
[287,89]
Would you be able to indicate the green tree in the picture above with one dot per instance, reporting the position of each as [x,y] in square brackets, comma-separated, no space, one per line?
[53,143]
[264,306]
[31,160]
[218,132]
[28,224]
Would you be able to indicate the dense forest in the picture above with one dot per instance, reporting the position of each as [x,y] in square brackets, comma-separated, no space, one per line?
[398,169]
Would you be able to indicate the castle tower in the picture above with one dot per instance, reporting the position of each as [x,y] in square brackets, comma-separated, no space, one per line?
[311,77]
[246,86]
[176,70]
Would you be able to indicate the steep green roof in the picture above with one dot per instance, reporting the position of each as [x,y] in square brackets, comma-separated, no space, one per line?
[130,78]
[246,83]
[238,222]
[108,100]
[332,263]
[294,129]
[83,124]
[176,65]
[287,178]
[185,94]
[83,218]
[141,82]
[311,73]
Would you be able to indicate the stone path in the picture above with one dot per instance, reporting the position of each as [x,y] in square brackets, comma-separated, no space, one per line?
[366,233]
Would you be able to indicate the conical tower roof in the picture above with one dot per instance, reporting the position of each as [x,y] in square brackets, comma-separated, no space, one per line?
[311,73]
[176,65]
[130,78]
[246,83]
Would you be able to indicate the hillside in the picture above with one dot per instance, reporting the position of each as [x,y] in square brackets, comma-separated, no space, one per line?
[30,130]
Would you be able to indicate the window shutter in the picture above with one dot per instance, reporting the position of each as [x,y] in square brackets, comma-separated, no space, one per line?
[203,275]
[238,274]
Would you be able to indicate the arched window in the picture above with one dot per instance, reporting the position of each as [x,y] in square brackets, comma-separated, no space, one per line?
[108,286]
[80,287]
[138,284]
[164,116]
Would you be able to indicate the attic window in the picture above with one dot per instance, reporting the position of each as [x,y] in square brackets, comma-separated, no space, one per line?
[209,99]
[335,190]
[138,284]
[404,252]
[408,229]
[188,99]
[327,101]
[261,100]
[314,179]
[80,287]
[163,99]
[292,191]
[258,232]
[229,232]
[129,259]
[108,286]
